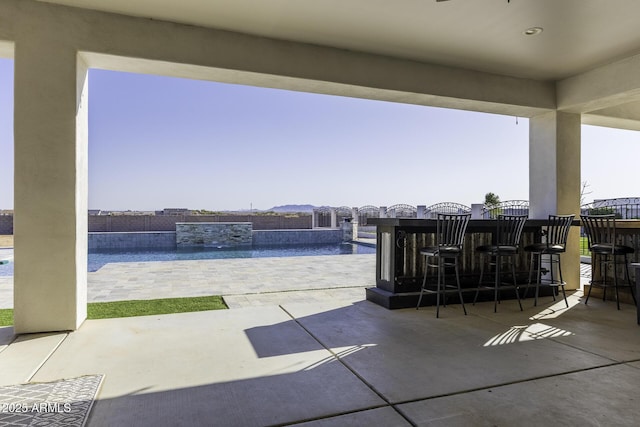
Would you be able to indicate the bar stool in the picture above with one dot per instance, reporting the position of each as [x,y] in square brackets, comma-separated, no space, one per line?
[555,243]
[507,242]
[449,239]
[601,234]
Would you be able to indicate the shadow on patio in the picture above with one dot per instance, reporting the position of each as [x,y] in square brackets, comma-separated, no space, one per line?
[360,364]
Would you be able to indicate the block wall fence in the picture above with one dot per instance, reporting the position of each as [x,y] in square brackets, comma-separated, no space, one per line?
[133,223]
[6,224]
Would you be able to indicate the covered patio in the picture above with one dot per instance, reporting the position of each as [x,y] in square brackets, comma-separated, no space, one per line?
[580,66]
[334,362]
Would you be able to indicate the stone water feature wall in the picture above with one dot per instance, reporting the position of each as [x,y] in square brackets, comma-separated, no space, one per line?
[213,234]
[218,234]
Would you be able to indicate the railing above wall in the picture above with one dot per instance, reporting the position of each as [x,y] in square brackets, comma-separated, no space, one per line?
[366,212]
[446,208]
[623,208]
[326,216]
[509,207]
[402,211]
[626,208]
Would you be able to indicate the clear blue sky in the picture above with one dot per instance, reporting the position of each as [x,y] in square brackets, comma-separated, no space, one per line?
[157,142]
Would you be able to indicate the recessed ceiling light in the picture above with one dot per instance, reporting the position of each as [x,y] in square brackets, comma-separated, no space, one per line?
[533,31]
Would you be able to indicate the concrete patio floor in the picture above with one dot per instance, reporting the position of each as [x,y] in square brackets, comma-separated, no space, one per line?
[305,354]
[351,363]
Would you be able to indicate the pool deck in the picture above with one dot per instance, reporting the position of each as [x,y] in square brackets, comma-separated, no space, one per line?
[243,282]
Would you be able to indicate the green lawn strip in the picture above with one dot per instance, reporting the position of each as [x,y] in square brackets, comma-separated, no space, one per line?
[584,246]
[6,317]
[108,310]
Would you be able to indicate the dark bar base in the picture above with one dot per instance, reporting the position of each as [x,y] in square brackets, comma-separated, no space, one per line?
[393,301]
[390,300]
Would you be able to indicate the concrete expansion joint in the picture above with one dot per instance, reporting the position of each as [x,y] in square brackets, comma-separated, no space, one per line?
[47,357]
[508,383]
[357,375]
[5,347]
[337,414]
[283,291]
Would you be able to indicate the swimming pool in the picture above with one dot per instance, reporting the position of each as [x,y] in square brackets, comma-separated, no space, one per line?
[97,259]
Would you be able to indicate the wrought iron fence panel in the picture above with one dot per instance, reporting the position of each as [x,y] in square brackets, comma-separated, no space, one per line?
[366,212]
[509,207]
[446,208]
[402,211]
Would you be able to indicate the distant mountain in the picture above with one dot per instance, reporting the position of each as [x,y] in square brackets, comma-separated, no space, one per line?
[292,208]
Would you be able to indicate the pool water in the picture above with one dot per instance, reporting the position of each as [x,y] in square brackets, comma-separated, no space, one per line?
[97,259]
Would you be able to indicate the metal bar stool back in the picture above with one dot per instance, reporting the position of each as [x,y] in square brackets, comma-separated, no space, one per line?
[507,241]
[555,242]
[449,239]
[604,247]
[510,229]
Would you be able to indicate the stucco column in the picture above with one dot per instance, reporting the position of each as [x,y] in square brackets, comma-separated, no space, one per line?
[334,218]
[50,229]
[476,210]
[554,178]
[355,222]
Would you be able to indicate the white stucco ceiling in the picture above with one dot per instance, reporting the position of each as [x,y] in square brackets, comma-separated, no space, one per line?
[483,35]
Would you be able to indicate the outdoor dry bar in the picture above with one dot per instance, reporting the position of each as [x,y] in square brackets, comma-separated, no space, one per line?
[400,267]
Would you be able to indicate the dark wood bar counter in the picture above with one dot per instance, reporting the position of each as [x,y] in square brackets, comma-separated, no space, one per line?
[400,267]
